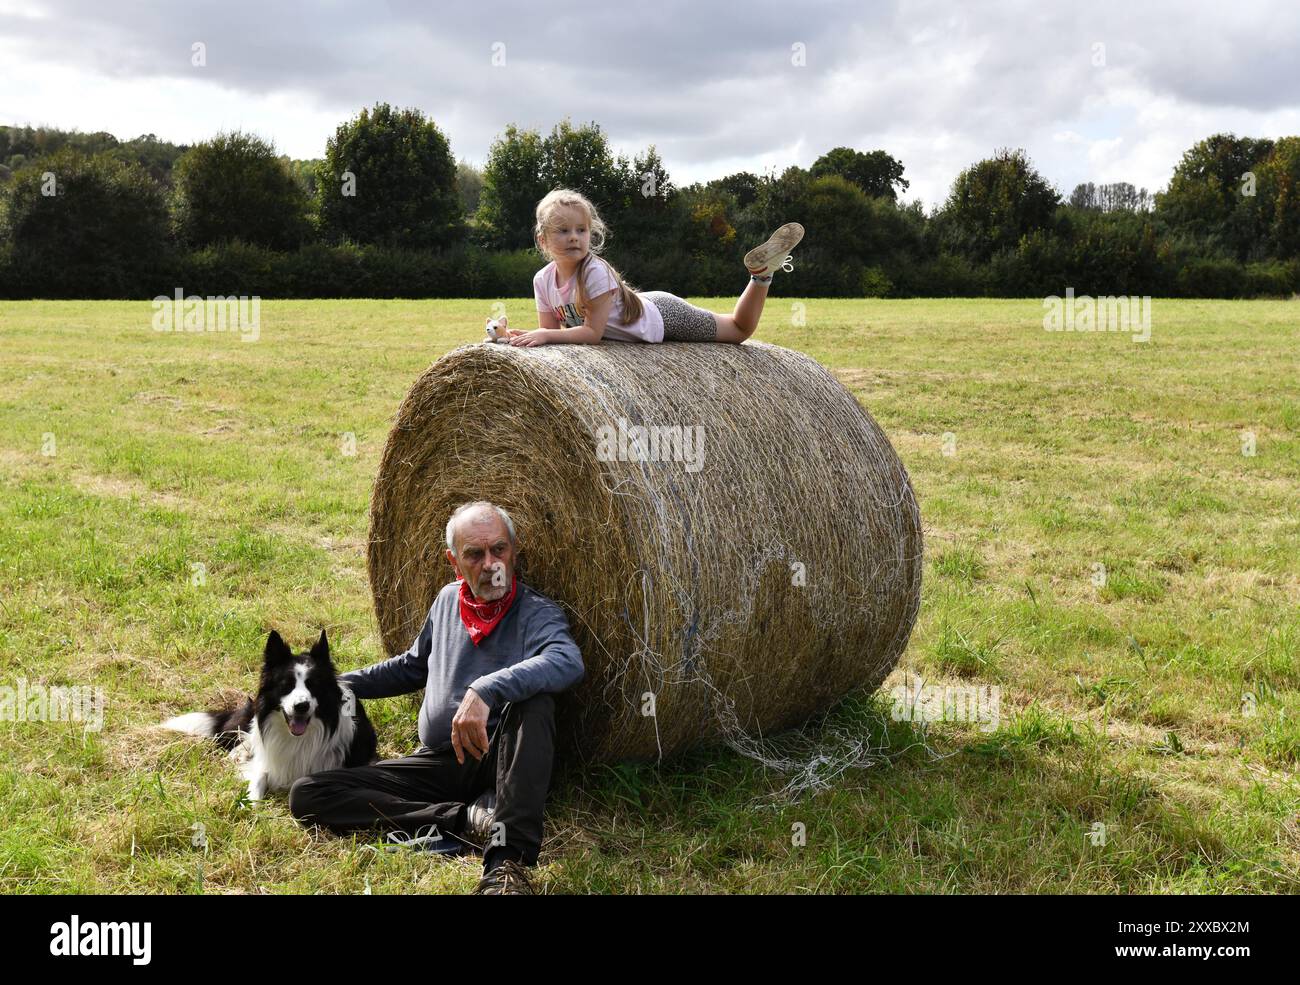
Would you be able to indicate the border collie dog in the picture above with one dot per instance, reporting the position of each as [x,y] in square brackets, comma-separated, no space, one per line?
[302,721]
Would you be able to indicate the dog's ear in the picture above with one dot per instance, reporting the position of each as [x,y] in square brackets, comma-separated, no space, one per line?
[276,649]
[321,651]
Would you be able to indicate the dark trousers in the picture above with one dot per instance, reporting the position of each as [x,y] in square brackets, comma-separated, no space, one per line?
[431,788]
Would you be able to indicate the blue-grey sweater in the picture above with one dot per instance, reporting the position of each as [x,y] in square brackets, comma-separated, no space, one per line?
[529,651]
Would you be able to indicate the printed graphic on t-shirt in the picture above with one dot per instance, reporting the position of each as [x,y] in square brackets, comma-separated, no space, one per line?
[568,315]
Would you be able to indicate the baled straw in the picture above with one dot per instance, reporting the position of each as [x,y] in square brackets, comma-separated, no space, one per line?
[722,588]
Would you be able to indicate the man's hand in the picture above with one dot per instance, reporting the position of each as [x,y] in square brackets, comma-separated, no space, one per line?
[469,727]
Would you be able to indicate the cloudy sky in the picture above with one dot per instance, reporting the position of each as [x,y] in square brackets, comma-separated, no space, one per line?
[1111,90]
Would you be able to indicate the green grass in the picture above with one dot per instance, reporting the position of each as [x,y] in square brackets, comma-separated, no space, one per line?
[199,491]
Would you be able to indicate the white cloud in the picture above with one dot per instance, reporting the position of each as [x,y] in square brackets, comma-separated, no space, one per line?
[1100,152]
[938,85]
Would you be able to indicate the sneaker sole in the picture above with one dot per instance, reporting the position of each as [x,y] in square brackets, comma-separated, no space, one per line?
[452,848]
[778,245]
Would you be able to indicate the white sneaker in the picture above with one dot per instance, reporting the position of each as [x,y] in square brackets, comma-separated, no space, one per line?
[766,259]
[478,818]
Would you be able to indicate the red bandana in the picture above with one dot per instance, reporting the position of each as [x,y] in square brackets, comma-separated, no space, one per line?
[480,618]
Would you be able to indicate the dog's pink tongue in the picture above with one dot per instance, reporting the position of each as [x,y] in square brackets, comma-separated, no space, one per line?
[297,728]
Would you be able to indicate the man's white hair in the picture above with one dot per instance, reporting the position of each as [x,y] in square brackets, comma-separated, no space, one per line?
[477,506]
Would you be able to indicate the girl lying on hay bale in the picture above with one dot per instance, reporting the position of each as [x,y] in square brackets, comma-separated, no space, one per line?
[582,292]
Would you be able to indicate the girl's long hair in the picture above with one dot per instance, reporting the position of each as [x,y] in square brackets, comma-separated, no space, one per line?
[560,198]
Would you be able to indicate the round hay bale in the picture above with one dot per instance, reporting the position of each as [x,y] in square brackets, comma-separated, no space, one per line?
[746,561]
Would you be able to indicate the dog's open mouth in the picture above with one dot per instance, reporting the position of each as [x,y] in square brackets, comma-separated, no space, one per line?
[297,723]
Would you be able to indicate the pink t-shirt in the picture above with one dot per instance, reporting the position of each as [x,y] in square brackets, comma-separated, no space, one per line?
[598,281]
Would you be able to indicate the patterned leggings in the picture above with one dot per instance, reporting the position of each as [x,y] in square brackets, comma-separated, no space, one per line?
[683,321]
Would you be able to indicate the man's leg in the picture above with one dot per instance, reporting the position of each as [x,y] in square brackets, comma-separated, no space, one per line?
[523,754]
[404,794]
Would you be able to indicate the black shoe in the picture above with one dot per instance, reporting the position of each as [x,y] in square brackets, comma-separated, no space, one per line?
[507,879]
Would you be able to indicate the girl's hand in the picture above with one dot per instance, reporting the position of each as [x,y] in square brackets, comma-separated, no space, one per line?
[538,336]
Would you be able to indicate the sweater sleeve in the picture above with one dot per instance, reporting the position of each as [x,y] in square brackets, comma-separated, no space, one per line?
[553,662]
[401,674]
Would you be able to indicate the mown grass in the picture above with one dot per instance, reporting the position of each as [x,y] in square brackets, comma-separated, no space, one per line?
[1098,548]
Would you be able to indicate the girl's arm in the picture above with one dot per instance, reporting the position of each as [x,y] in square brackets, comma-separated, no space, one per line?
[589,332]
[547,324]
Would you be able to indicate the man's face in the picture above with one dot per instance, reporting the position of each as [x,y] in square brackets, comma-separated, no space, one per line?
[486,560]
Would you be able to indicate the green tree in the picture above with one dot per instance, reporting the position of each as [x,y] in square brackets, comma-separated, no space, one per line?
[842,215]
[1214,193]
[878,174]
[104,224]
[512,187]
[154,155]
[580,158]
[389,178]
[743,186]
[158,157]
[1279,192]
[234,187]
[522,167]
[469,181]
[642,209]
[995,202]
[709,231]
[304,172]
[645,177]
[1119,196]
[779,200]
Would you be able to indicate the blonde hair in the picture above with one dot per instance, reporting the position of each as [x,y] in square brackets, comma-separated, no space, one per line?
[560,198]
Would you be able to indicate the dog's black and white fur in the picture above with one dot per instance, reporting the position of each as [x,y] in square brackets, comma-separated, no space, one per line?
[302,721]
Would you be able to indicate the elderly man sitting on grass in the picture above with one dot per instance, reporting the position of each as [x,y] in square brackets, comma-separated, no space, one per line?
[490,656]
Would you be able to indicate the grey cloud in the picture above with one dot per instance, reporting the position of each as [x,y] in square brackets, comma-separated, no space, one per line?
[703,81]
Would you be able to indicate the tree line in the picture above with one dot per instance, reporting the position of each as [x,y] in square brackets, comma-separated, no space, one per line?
[388,212]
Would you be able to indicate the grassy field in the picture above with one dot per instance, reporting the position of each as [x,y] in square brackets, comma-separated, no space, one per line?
[168,497]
